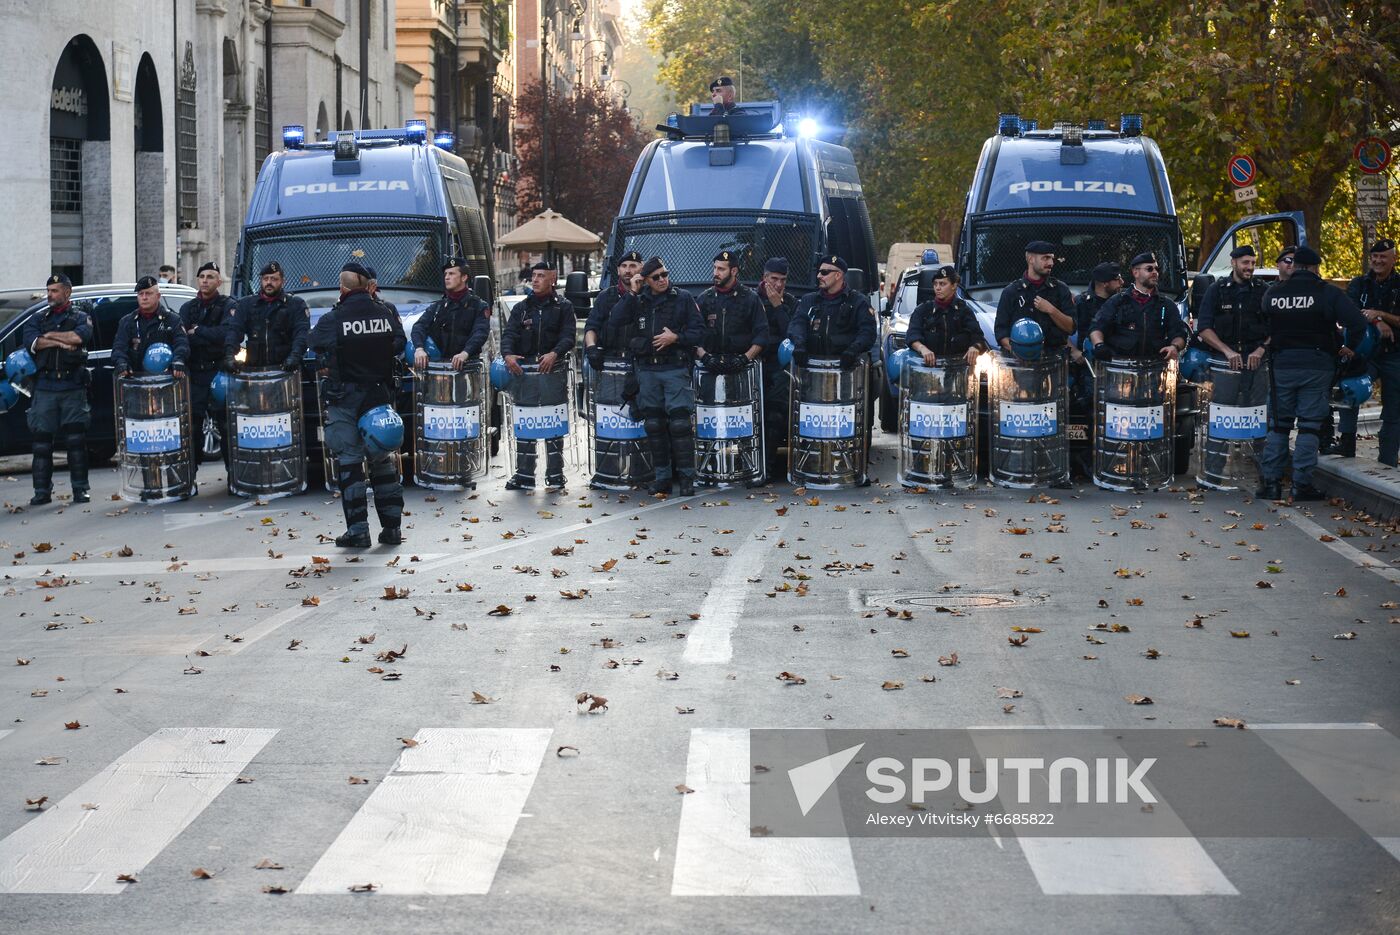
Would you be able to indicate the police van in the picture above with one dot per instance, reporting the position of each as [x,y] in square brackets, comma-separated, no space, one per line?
[390,199]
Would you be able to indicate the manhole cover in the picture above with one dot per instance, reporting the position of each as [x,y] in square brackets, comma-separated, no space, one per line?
[960,601]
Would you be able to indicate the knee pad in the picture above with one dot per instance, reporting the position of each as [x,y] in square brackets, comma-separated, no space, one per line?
[43,440]
[1309,430]
[679,426]
[655,425]
[1282,427]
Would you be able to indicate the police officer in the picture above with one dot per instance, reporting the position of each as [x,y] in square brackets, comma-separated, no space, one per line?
[57,339]
[205,321]
[1230,323]
[357,344]
[664,328]
[373,289]
[833,321]
[1377,294]
[1039,296]
[151,323]
[1303,315]
[779,306]
[736,327]
[944,328]
[1139,323]
[540,331]
[1284,262]
[1106,281]
[459,323]
[274,324]
[595,344]
[722,94]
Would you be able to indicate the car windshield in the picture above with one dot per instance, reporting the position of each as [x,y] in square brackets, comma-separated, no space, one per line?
[998,250]
[402,252]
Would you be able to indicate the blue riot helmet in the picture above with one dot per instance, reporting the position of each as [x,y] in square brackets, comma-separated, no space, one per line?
[785,350]
[500,376]
[1195,365]
[895,363]
[382,429]
[19,366]
[1355,390]
[1368,345]
[218,389]
[1027,339]
[8,396]
[158,358]
[408,350]
[432,349]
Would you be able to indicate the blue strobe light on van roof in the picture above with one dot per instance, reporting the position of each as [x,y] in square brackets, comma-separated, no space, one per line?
[1097,125]
[415,131]
[443,140]
[1029,125]
[1130,124]
[293,136]
[1008,125]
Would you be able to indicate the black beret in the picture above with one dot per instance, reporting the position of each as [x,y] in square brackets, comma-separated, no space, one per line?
[369,271]
[1141,258]
[727,256]
[946,272]
[541,266]
[59,279]
[833,260]
[454,262]
[652,265]
[776,264]
[1246,250]
[1040,246]
[146,282]
[1106,272]
[1382,245]
[357,269]
[631,256]
[210,265]
[1286,251]
[1306,256]
[269,269]
[723,81]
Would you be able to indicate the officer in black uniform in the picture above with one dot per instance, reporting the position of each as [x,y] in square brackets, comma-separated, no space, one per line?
[595,344]
[357,344]
[1377,294]
[459,323]
[1303,315]
[540,331]
[779,306]
[57,338]
[205,320]
[1139,323]
[1039,296]
[1106,281]
[833,321]
[1230,323]
[662,327]
[736,328]
[722,94]
[151,323]
[274,324]
[944,328]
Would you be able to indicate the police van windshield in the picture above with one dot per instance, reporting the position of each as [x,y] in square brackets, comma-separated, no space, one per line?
[998,255]
[405,253]
[689,241]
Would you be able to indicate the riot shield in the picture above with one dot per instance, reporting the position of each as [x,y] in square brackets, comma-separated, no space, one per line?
[267,454]
[619,456]
[729,426]
[451,426]
[155,457]
[938,425]
[1134,424]
[828,426]
[1236,425]
[1028,404]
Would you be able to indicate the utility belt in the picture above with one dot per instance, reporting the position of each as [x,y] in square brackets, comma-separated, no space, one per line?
[63,365]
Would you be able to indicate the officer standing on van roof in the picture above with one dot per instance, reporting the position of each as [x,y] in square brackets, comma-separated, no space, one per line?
[357,344]
[666,327]
[459,323]
[595,342]
[1106,281]
[944,328]
[1230,323]
[274,323]
[151,323]
[736,328]
[205,320]
[779,306]
[1303,315]
[833,321]
[540,331]
[1139,323]
[1037,295]
[57,339]
[722,93]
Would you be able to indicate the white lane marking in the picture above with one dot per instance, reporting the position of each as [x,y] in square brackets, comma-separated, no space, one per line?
[217,645]
[145,798]
[1355,556]
[1171,863]
[440,822]
[709,642]
[261,563]
[182,520]
[1354,765]
[6,733]
[715,853]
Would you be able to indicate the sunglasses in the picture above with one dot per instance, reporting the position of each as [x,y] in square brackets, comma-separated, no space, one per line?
[827,272]
[657,277]
[1286,261]
[1150,269]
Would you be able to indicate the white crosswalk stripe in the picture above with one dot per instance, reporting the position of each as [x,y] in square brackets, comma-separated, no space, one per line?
[440,822]
[144,799]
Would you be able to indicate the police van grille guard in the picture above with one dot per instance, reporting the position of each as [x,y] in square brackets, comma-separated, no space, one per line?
[405,251]
[999,239]
[689,240]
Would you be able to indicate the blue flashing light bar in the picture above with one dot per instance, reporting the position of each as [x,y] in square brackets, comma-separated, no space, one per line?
[415,131]
[1008,125]
[293,136]
[1029,125]
[1096,125]
[1130,124]
[444,140]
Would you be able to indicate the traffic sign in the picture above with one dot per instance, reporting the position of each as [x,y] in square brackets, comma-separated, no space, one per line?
[1248,193]
[1241,171]
[1372,199]
[1372,154]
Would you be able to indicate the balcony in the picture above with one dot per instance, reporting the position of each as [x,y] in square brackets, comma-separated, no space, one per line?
[483,33]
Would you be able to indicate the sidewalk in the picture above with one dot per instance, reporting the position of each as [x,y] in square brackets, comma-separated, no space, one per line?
[1363,482]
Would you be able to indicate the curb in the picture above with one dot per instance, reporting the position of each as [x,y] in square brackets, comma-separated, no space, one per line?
[1365,484]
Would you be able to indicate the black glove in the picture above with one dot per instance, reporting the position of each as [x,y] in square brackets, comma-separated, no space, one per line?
[291,365]
[799,358]
[848,359]
[594,356]
[229,365]
[713,363]
[178,368]
[738,363]
[1103,352]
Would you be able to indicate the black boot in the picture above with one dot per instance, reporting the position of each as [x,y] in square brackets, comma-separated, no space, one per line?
[525,458]
[78,466]
[682,453]
[388,502]
[1307,492]
[42,471]
[351,480]
[1346,445]
[1269,490]
[554,465]
[660,443]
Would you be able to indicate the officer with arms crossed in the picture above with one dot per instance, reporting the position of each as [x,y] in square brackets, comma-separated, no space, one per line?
[1303,315]
[205,320]
[595,343]
[666,327]
[944,328]
[275,325]
[1039,296]
[1377,294]
[1139,323]
[540,331]
[57,339]
[459,323]
[357,344]
[779,306]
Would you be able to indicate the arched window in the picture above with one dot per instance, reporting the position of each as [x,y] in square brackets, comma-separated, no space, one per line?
[186,144]
[323,123]
[233,83]
[262,120]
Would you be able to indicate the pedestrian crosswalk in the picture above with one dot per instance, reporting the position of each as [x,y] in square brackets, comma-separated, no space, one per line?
[445,814]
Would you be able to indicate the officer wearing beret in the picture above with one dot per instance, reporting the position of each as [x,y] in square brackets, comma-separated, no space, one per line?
[205,320]
[722,94]
[1230,323]
[274,324]
[1284,262]
[1105,282]
[736,327]
[1377,294]
[1139,323]
[151,323]
[1303,314]
[944,328]
[1039,296]
[665,328]
[57,338]
[833,321]
[540,331]
[459,323]
[357,345]
[595,338]
[780,307]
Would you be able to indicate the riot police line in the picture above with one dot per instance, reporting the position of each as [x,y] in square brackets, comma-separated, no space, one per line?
[689,385]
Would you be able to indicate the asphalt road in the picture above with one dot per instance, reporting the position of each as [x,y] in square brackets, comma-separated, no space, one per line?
[225,698]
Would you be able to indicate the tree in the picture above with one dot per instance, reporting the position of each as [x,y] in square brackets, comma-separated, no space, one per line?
[593,143]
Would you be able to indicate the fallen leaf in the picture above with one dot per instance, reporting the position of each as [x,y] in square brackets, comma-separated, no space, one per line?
[311,601]
[891,686]
[1026,630]
[1021,640]
[49,761]
[949,660]
[595,703]
[1349,635]
[900,653]
[408,741]
[126,878]
[276,889]
[199,873]
[501,611]
[358,781]
[1240,634]
[683,789]
[1137,699]
[567,750]
[72,725]
[788,678]
[1235,722]
[1009,693]
[267,863]
[363,887]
